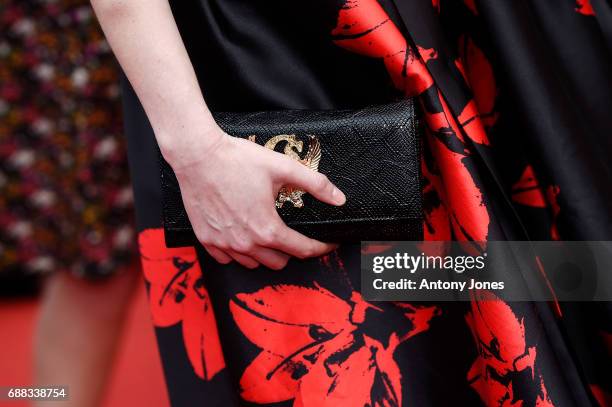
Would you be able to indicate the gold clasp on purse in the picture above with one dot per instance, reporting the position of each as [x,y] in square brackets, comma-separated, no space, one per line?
[293,149]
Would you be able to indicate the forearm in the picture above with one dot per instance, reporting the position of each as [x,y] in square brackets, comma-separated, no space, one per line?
[147,44]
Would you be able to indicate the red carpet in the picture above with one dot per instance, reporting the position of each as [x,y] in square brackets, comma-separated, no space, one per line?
[137,377]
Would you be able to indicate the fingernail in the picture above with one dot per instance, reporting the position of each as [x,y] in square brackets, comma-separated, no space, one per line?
[339,197]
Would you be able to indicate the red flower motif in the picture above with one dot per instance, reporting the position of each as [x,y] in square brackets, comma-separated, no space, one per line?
[552,195]
[478,74]
[316,349]
[364,27]
[177,293]
[527,191]
[584,7]
[503,355]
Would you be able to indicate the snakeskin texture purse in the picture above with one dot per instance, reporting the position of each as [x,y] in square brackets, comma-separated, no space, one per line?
[372,155]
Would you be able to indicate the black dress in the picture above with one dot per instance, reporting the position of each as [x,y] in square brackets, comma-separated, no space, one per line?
[515,97]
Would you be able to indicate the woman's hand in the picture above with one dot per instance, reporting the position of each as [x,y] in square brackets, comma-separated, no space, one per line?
[229,191]
[229,186]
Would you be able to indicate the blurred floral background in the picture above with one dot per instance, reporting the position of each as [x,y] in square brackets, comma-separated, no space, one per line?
[72,303]
[65,199]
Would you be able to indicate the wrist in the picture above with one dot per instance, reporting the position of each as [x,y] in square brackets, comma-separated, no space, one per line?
[187,141]
[186,149]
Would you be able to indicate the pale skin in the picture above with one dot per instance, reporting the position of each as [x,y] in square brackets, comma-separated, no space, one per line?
[229,185]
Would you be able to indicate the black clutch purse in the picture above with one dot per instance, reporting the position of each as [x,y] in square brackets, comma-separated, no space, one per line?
[372,155]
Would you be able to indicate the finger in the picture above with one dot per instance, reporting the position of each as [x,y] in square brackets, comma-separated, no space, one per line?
[317,184]
[273,259]
[298,245]
[218,254]
[246,261]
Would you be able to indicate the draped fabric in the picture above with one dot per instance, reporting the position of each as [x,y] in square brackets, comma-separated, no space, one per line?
[515,99]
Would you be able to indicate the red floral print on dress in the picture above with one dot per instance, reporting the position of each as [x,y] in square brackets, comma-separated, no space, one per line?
[317,350]
[552,195]
[503,356]
[451,188]
[436,5]
[177,294]
[584,7]
[478,74]
[602,396]
[364,27]
[527,191]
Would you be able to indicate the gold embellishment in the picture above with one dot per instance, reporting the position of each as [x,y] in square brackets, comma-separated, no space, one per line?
[292,149]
